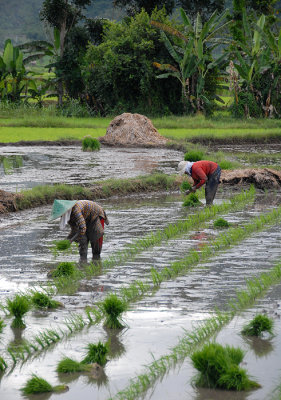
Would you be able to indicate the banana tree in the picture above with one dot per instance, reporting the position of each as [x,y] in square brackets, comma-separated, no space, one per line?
[192,54]
[13,75]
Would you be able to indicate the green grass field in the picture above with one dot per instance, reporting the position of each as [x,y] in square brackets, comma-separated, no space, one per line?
[43,124]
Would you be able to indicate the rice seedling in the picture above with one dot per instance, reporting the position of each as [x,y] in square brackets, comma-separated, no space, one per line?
[2,325]
[3,364]
[194,155]
[260,323]
[221,223]
[113,307]
[65,268]
[226,164]
[191,200]
[90,144]
[67,365]
[40,385]
[42,300]
[63,244]
[218,367]
[96,353]
[185,186]
[18,306]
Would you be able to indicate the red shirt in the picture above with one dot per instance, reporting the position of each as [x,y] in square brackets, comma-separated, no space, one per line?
[201,170]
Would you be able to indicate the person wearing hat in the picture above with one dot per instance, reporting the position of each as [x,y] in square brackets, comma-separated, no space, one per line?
[202,172]
[86,219]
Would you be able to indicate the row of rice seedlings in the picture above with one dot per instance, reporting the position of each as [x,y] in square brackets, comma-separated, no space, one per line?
[137,289]
[204,331]
[172,230]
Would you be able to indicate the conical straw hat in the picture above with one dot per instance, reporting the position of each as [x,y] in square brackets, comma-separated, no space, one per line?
[60,207]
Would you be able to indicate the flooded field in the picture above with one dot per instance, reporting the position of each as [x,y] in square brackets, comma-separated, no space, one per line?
[25,167]
[155,321]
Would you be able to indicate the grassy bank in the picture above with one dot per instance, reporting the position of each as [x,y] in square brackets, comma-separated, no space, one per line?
[40,195]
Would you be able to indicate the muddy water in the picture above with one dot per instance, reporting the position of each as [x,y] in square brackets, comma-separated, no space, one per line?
[155,323]
[44,165]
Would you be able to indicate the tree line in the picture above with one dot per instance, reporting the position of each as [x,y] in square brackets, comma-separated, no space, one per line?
[156,60]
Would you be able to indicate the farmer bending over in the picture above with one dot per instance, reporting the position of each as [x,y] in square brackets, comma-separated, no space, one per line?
[86,219]
[202,172]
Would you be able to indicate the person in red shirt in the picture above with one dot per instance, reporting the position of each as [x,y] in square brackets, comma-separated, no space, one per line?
[203,172]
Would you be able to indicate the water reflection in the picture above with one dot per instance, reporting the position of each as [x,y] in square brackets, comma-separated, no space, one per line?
[10,163]
[116,349]
[216,394]
[260,347]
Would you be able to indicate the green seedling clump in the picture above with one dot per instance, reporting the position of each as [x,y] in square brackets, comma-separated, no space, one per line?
[194,155]
[221,223]
[96,354]
[67,365]
[261,323]
[1,325]
[40,385]
[113,307]
[3,364]
[64,269]
[90,144]
[41,300]
[63,244]
[218,367]
[18,306]
[185,186]
[225,164]
[191,200]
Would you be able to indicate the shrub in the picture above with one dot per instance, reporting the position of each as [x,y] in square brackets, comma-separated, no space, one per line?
[218,368]
[221,223]
[18,306]
[41,300]
[40,385]
[113,307]
[194,155]
[67,365]
[261,323]
[63,244]
[90,144]
[96,354]
[65,268]
[191,200]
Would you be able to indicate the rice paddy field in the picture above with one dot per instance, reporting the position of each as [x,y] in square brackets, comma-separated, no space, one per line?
[181,282]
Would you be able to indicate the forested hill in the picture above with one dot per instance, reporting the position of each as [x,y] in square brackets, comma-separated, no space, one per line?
[19,19]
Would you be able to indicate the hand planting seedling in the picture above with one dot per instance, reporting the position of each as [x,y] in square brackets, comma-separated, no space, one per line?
[63,244]
[18,306]
[191,200]
[261,323]
[40,385]
[113,307]
[67,365]
[218,367]
[96,353]
[221,223]
[185,186]
[41,300]
[90,144]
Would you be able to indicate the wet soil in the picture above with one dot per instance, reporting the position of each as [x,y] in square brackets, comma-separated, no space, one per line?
[154,323]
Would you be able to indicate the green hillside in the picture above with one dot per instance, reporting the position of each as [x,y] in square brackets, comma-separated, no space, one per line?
[19,20]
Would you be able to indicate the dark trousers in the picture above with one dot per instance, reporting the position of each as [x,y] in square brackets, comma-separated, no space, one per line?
[212,185]
[96,243]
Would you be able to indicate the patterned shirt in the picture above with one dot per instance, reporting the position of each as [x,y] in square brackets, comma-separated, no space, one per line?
[85,212]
